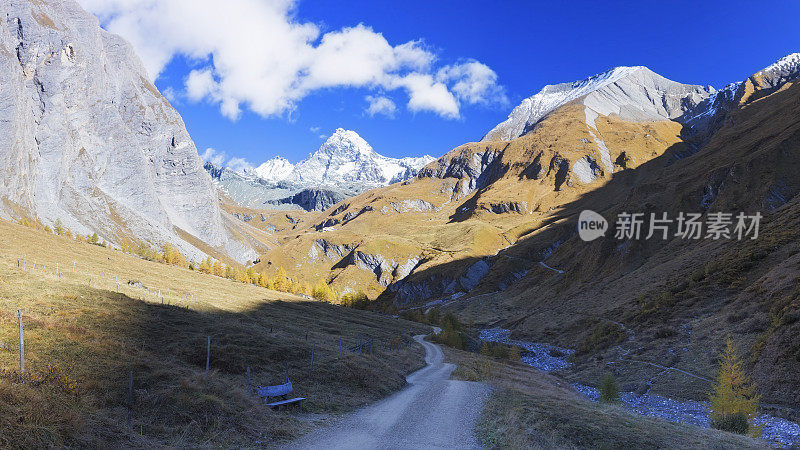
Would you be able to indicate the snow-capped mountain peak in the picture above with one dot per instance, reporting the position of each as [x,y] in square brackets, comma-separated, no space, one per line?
[275,169]
[343,166]
[347,161]
[346,143]
[781,71]
[634,93]
[788,62]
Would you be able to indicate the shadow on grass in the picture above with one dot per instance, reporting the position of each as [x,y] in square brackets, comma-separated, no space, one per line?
[82,343]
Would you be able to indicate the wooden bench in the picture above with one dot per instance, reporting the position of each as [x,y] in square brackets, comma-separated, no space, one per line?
[281,390]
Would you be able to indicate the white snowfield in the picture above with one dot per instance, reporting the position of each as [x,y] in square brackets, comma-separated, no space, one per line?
[432,412]
[88,139]
[276,169]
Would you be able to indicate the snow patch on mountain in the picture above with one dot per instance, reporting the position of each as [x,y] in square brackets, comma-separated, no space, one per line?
[781,71]
[275,169]
[633,93]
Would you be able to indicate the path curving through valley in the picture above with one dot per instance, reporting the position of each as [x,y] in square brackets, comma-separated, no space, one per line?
[431,412]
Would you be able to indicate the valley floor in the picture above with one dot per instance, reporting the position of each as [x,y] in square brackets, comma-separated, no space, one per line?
[532,409]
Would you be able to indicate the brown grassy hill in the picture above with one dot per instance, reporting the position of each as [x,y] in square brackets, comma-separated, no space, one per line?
[476,200]
[82,341]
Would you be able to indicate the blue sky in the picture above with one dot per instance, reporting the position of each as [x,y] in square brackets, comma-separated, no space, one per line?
[525,44]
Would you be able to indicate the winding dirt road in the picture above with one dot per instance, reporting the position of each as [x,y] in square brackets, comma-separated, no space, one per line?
[432,412]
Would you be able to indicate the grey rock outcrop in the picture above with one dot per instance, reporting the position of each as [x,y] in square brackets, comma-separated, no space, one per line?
[88,140]
[312,199]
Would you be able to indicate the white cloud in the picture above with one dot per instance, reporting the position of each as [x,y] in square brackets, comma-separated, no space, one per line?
[214,157]
[170,94]
[380,105]
[314,130]
[221,159]
[473,82]
[427,94]
[239,165]
[256,55]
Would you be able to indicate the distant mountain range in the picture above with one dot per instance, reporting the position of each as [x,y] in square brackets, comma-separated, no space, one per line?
[345,165]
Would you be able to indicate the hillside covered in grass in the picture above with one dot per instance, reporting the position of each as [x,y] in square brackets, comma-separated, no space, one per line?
[82,342]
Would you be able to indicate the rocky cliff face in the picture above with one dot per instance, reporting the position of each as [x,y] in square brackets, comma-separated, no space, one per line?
[88,140]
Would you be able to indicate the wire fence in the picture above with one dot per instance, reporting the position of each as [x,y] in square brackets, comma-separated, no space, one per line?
[366,345]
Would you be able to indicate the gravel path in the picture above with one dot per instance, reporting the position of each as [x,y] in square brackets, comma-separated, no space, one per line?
[432,412]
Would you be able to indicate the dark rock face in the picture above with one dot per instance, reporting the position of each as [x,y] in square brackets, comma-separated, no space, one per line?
[313,199]
[214,171]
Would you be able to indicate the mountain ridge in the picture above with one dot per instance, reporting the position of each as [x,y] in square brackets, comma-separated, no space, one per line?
[343,166]
[606,93]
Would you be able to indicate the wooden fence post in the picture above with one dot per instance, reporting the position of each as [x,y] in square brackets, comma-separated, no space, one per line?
[249,386]
[208,355]
[311,368]
[130,398]
[21,347]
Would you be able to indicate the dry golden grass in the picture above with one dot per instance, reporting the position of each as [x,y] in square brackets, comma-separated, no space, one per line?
[81,343]
[531,409]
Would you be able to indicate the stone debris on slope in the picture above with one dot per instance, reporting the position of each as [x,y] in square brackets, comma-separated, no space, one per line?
[775,429]
[544,357]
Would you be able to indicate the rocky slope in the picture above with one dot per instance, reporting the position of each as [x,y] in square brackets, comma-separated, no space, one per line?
[635,94]
[488,231]
[344,166]
[88,140]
